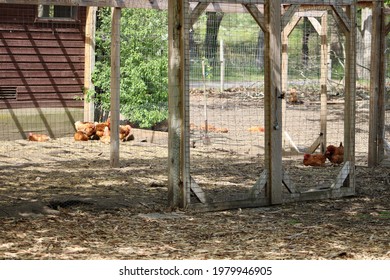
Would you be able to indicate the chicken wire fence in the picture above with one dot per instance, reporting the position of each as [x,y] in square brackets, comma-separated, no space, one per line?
[41,90]
[226,104]
[226,109]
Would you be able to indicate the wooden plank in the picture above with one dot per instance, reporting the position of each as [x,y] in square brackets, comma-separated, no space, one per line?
[13,104]
[318,195]
[7,66]
[273,101]
[90,30]
[42,51]
[44,34]
[227,205]
[42,74]
[49,89]
[17,27]
[42,43]
[48,96]
[41,81]
[115,87]
[41,58]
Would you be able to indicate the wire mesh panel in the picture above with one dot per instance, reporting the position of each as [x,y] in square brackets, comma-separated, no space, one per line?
[363,64]
[41,91]
[315,114]
[226,104]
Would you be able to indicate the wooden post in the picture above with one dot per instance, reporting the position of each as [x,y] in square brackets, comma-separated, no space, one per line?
[89,64]
[350,91]
[178,161]
[377,82]
[115,86]
[273,100]
[324,80]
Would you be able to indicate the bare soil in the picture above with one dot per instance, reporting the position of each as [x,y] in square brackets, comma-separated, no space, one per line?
[60,200]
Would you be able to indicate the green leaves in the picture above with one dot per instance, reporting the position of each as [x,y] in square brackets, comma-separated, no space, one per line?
[144,65]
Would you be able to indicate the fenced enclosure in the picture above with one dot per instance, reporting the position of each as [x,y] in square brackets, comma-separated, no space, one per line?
[226,128]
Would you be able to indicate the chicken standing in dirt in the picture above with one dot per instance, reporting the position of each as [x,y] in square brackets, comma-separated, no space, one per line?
[314,159]
[335,154]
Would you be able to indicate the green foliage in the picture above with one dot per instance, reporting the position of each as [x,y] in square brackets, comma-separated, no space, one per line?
[144,65]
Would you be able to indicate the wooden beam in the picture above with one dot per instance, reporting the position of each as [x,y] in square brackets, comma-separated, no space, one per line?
[89,64]
[288,15]
[115,86]
[316,24]
[342,18]
[257,15]
[159,4]
[259,185]
[273,100]
[178,186]
[197,11]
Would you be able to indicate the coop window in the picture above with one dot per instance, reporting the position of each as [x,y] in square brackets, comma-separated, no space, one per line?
[55,12]
[7,93]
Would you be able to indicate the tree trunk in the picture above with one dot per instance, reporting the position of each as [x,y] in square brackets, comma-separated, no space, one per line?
[305,42]
[260,50]
[211,41]
[363,55]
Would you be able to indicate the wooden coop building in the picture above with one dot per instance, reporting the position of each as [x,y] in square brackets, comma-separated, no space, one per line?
[272,183]
[42,64]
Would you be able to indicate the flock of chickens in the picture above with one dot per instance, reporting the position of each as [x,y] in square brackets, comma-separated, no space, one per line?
[86,131]
[334,154]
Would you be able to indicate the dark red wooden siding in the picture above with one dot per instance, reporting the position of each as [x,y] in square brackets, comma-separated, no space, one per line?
[43,61]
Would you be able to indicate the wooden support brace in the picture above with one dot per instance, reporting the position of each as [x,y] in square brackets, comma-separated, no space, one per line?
[288,183]
[342,18]
[197,191]
[257,15]
[316,24]
[315,145]
[288,15]
[197,11]
[342,176]
[259,186]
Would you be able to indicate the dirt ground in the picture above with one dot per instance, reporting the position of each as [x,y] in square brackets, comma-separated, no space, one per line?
[60,200]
